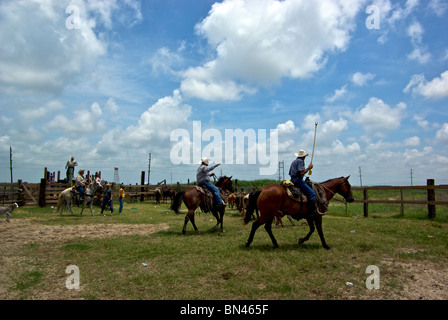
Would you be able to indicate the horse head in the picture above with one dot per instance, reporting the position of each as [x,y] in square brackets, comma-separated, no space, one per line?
[345,190]
[225,183]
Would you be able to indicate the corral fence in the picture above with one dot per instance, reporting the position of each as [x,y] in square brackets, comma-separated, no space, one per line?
[46,193]
[429,192]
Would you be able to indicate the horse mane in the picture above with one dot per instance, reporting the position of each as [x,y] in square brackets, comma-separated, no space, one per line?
[332,179]
[220,180]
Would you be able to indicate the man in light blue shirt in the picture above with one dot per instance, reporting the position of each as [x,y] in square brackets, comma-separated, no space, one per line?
[297,171]
[203,179]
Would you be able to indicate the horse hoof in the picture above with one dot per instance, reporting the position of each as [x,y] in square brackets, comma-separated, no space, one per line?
[247,245]
[301,240]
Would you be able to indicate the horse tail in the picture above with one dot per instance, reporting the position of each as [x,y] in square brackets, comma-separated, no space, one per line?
[253,197]
[177,202]
[60,201]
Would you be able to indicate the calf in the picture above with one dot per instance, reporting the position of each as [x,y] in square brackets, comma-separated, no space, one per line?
[7,210]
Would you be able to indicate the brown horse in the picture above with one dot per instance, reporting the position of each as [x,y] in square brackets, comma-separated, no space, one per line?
[194,199]
[273,201]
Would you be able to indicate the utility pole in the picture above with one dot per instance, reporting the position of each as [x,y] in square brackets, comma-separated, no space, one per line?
[281,170]
[10,163]
[412,172]
[149,167]
[360,176]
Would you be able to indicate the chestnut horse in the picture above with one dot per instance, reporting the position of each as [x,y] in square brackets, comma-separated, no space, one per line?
[273,201]
[194,199]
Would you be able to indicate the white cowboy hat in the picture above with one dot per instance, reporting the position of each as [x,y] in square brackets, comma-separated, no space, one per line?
[205,160]
[301,153]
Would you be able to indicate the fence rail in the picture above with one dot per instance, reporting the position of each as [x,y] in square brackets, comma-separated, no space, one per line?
[430,201]
[46,193]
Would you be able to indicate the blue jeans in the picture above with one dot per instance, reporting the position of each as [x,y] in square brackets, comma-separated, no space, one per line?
[107,203]
[214,190]
[310,194]
[120,200]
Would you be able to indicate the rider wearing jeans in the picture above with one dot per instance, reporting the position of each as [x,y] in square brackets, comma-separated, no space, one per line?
[297,171]
[203,179]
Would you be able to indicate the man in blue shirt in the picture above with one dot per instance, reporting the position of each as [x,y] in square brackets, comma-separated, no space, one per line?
[203,179]
[297,171]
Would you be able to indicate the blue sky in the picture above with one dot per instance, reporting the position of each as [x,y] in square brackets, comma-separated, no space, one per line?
[112,89]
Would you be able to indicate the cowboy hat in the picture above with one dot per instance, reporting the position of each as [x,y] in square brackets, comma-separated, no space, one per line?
[205,160]
[81,170]
[301,153]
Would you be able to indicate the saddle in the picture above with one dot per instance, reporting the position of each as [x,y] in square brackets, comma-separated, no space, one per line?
[294,193]
[205,191]
[207,206]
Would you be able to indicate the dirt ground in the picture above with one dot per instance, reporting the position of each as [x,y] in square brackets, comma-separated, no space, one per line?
[17,233]
[420,280]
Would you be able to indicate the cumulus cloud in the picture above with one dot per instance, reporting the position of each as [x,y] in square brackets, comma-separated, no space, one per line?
[84,122]
[420,54]
[30,30]
[338,94]
[442,134]
[259,42]
[153,128]
[361,79]
[377,116]
[437,88]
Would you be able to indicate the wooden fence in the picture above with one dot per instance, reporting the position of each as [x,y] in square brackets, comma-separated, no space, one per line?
[430,200]
[46,193]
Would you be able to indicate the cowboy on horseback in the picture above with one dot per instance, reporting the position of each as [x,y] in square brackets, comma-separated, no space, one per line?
[297,171]
[203,179]
[80,183]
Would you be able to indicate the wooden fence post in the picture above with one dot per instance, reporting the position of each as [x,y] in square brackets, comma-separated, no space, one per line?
[142,189]
[42,190]
[431,197]
[366,204]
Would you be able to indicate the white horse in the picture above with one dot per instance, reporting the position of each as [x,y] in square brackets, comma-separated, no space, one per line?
[65,200]
[89,194]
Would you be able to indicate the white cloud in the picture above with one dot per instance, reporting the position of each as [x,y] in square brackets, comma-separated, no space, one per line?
[420,54]
[84,122]
[442,134]
[439,7]
[377,116]
[412,141]
[338,94]
[276,40]
[437,88]
[361,79]
[421,122]
[152,130]
[43,55]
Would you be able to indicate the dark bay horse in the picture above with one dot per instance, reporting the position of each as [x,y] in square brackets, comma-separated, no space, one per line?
[273,201]
[194,199]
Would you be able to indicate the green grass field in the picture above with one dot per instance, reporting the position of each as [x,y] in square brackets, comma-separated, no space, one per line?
[409,251]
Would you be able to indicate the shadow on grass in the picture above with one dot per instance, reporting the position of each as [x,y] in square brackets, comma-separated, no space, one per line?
[283,247]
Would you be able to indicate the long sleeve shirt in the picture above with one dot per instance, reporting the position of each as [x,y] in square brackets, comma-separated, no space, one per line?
[203,175]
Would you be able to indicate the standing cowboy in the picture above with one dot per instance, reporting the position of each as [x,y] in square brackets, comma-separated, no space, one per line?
[203,179]
[70,166]
[296,172]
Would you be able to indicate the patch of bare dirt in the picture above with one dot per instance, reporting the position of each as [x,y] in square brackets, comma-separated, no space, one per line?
[21,232]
